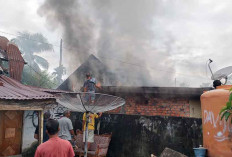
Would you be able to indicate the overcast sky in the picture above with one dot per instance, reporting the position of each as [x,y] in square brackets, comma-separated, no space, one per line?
[182,34]
[18,17]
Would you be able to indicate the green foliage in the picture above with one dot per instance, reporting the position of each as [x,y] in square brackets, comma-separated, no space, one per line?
[39,79]
[29,44]
[226,111]
[42,62]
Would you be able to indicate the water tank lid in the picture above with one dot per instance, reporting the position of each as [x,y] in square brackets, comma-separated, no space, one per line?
[215,93]
[224,87]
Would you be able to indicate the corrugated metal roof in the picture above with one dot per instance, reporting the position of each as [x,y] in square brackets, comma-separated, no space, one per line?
[16,61]
[3,43]
[12,89]
[53,91]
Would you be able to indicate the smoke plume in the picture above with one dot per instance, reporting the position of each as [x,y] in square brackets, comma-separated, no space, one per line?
[121,34]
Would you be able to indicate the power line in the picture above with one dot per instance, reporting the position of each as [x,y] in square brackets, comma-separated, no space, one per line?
[124,62]
[153,68]
[56,45]
[30,39]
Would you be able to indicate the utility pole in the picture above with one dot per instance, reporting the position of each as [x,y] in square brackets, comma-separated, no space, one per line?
[60,69]
[60,53]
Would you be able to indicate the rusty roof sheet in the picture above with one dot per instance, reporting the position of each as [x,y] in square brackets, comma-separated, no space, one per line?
[53,91]
[13,89]
[3,43]
[15,61]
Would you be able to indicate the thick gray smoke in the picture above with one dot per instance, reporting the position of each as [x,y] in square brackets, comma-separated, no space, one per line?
[77,28]
[120,33]
[126,33]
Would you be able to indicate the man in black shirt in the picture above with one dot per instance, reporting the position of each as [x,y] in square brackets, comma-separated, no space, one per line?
[47,116]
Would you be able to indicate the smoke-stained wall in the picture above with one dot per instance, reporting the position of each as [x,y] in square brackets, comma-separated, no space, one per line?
[140,136]
[133,135]
[157,101]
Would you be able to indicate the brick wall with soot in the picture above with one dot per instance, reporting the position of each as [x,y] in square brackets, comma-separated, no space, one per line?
[152,106]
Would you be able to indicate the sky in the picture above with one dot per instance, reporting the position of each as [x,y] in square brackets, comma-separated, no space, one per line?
[23,16]
[157,42]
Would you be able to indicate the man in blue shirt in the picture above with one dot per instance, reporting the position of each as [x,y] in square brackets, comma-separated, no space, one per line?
[90,87]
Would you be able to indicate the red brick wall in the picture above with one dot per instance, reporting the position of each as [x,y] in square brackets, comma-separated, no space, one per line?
[155,106]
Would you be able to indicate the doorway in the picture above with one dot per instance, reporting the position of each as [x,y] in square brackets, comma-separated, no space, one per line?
[10,132]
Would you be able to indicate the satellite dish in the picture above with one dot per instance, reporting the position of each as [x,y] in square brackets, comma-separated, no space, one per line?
[89,102]
[222,74]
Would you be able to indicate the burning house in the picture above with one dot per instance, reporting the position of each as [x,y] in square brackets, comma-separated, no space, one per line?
[158,117]
[150,101]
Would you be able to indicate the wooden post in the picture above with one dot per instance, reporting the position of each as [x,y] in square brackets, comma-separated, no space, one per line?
[41,117]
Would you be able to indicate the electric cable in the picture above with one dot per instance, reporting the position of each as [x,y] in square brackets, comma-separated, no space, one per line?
[124,62]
